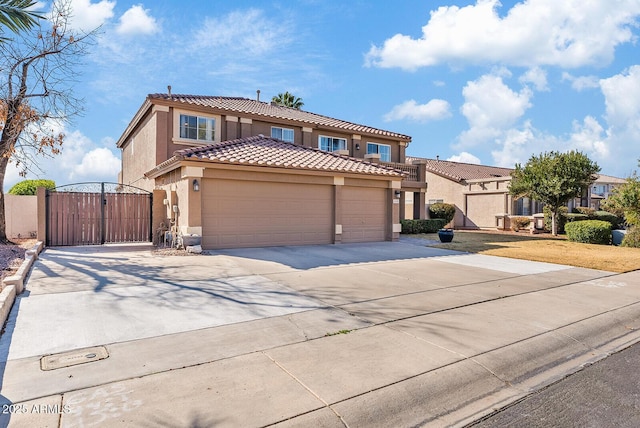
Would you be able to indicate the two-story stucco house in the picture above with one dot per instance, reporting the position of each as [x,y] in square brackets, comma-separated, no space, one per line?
[241,172]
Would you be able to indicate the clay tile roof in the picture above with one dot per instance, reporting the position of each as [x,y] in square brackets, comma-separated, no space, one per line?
[249,106]
[458,171]
[266,151]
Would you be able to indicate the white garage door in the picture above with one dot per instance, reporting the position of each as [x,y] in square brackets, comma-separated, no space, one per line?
[364,213]
[257,214]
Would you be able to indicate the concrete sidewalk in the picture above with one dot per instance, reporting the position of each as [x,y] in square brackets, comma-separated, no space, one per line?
[389,334]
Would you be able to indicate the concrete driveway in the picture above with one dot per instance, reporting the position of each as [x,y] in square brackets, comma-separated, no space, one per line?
[388,334]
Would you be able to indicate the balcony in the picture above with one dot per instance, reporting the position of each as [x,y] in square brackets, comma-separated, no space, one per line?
[415,177]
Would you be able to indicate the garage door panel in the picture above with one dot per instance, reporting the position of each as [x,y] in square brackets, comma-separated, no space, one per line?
[364,214]
[247,214]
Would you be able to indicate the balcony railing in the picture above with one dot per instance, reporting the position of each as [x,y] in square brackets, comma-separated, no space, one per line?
[411,170]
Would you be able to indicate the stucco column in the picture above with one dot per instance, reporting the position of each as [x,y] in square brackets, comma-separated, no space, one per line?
[419,205]
[42,215]
[338,184]
[192,186]
[306,137]
[357,148]
[232,128]
[246,127]
[403,205]
[393,211]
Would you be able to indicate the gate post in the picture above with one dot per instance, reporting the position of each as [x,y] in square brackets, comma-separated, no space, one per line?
[42,215]
[103,202]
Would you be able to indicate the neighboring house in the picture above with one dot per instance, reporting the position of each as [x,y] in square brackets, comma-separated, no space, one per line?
[600,190]
[241,172]
[481,193]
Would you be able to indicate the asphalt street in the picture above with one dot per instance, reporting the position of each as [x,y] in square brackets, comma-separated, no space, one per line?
[604,394]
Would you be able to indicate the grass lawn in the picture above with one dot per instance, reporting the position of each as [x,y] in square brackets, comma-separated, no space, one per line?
[542,248]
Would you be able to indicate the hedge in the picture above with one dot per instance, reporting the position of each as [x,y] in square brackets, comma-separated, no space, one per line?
[441,210]
[431,225]
[589,231]
[607,216]
[30,187]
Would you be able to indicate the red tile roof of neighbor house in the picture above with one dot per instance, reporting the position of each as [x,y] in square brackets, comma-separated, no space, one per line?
[249,106]
[270,152]
[459,171]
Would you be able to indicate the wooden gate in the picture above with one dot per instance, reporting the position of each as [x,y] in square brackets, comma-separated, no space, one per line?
[98,213]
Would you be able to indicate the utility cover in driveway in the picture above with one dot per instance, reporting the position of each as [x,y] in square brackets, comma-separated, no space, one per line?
[73,358]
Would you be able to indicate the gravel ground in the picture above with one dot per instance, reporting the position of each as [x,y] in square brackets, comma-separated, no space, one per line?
[12,255]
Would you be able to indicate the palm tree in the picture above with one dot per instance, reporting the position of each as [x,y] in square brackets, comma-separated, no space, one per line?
[14,15]
[288,100]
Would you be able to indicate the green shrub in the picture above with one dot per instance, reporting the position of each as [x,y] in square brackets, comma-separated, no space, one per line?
[607,216]
[30,187]
[589,231]
[632,238]
[562,218]
[422,226]
[575,217]
[442,210]
[518,223]
[584,210]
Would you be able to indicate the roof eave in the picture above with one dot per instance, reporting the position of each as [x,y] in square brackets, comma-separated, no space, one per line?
[144,108]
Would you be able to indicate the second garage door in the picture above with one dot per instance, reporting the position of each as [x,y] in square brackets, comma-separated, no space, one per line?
[363,214]
[256,214]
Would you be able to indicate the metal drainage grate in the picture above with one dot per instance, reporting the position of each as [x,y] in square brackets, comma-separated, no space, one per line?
[73,358]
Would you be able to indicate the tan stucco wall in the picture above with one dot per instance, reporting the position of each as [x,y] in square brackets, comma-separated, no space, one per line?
[155,138]
[21,214]
[139,154]
[188,219]
[477,203]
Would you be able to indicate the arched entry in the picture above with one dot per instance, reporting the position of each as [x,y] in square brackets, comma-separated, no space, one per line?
[98,213]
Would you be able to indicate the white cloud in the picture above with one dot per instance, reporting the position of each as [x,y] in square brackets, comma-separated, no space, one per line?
[581,83]
[465,157]
[137,20]
[532,33]
[590,138]
[622,98]
[80,160]
[250,32]
[100,162]
[87,16]
[517,145]
[490,107]
[411,110]
[537,77]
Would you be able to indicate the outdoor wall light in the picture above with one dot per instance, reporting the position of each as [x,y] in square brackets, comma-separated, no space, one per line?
[196,185]
[357,146]
[397,193]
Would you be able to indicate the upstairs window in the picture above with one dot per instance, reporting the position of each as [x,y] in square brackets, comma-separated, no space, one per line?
[283,134]
[331,144]
[383,150]
[197,128]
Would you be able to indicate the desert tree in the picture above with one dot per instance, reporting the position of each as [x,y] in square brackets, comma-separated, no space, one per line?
[38,70]
[554,179]
[625,200]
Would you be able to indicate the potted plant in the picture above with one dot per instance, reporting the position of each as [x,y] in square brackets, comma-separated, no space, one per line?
[445,235]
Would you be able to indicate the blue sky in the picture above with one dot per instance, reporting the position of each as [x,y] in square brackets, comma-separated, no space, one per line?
[473,81]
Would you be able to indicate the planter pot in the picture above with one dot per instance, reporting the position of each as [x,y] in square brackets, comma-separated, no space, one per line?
[189,240]
[445,235]
[617,236]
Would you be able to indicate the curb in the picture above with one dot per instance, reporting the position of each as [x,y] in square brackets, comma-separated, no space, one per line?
[14,284]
